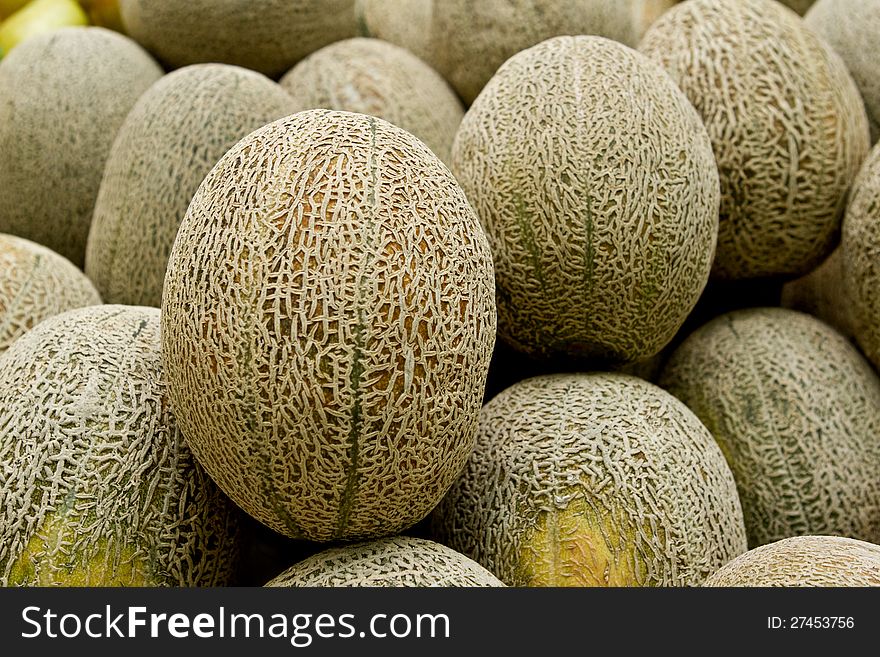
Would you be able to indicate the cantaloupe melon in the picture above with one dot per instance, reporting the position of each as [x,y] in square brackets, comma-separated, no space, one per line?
[96,485]
[593,480]
[787,124]
[595,181]
[268,36]
[36,283]
[823,294]
[395,561]
[800,6]
[852,28]
[328,319]
[375,77]
[170,140]
[467,41]
[65,94]
[804,561]
[796,411]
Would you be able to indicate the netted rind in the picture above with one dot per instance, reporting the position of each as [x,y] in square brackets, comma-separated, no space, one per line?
[593,480]
[396,561]
[823,294]
[804,561]
[467,41]
[170,141]
[796,411]
[268,36]
[36,283]
[374,77]
[96,485]
[328,320]
[65,94]
[601,211]
[787,125]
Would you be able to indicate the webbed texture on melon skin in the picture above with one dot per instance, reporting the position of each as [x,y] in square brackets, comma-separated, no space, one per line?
[824,294]
[268,36]
[36,283]
[602,212]
[387,562]
[804,561]
[96,485]
[787,124]
[173,136]
[796,411]
[374,77]
[593,480]
[65,94]
[851,27]
[328,320]
[467,41]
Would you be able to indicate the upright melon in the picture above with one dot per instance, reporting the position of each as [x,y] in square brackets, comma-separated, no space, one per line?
[36,283]
[176,132]
[374,77]
[395,561]
[268,36]
[327,320]
[796,411]
[593,480]
[787,124]
[804,561]
[595,181]
[96,485]
[467,41]
[65,94]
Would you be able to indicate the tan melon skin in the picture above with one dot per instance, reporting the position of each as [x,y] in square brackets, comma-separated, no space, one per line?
[796,411]
[268,36]
[468,41]
[787,125]
[602,213]
[169,142]
[36,283]
[66,95]
[96,485]
[328,320]
[593,480]
[387,562]
[824,294]
[804,561]
[374,77]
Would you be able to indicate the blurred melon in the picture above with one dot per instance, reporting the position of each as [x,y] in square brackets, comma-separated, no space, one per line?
[38,17]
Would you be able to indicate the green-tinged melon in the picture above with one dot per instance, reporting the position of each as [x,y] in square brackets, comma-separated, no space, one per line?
[602,212]
[823,294]
[96,485]
[395,561]
[593,480]
[804,561]
[787,125]
[375,77]
[268,36]
[65,95]
[796,411]
[170,141]
[467,41]
[36,283]
[328,320]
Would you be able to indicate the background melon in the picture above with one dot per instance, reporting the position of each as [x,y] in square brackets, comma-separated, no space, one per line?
[804,561]
[593,480]
[787,125]
[36,283]
[396,561]
[65,94]
[328,320]
[374,77]
[96,485]
[796,411]
[602,212]
[800,6]
[823,293]
[171,139]
[268,36]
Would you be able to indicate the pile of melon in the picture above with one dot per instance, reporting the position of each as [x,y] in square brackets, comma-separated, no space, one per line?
[301,293]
